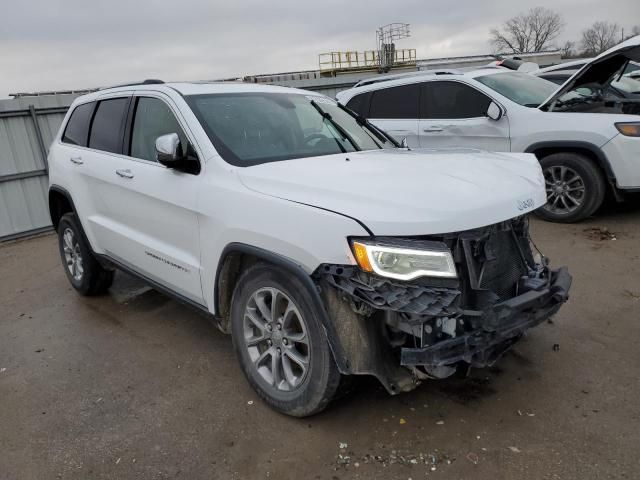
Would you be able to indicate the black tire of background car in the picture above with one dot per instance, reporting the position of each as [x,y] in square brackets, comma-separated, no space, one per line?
[323,379]
[95,279]
[595,186]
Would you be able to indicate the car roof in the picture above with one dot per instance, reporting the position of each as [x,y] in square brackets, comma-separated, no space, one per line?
[419,73]
[195,88]
[378,83]
[573,65]
[556,73]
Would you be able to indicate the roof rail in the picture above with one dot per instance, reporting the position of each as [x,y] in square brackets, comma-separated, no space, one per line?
[148,81]
[417,73]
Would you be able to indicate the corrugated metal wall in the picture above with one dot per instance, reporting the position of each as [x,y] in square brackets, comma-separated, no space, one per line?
[27,128]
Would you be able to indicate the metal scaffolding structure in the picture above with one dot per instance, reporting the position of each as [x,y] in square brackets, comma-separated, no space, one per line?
[383,58]
[386,37]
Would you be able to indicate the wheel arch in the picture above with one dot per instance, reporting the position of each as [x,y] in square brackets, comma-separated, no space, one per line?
[542,149]
[236,257]
[60,202]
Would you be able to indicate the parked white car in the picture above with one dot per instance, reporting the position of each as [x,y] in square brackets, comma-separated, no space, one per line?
[320,245]
[582,151]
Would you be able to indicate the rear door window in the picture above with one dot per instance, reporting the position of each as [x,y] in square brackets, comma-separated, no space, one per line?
[452,100]
[77,130]
[395,102]
[108,125]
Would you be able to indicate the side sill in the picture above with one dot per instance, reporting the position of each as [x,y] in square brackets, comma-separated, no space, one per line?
[105,260]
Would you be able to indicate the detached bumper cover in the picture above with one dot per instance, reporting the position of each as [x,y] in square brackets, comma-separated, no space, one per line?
[499,328]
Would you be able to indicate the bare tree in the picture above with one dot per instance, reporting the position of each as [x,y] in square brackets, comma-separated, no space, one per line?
[568,49]
[533,31]
[600,37]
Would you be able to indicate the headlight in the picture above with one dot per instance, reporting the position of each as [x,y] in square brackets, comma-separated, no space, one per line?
[404,263]
[629,129]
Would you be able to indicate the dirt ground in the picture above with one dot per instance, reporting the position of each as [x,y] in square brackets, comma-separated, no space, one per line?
[135,385]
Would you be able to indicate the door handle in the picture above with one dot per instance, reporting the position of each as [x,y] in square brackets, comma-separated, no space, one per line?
[76,160]
[124,173]
[435,128]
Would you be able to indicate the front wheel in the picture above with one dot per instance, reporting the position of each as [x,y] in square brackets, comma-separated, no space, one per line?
[280,343]
[575,187]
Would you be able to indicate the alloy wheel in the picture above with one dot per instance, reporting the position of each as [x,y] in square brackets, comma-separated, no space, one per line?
[72,254]
[565,189]
[275,335]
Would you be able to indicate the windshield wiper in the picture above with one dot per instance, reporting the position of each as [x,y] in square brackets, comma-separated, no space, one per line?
[336,125]
[380,135]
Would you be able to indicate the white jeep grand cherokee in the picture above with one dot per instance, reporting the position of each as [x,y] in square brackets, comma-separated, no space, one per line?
[324,248]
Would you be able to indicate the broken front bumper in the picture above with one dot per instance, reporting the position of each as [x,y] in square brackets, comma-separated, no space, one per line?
[365,310]
[405,331]
[499,327]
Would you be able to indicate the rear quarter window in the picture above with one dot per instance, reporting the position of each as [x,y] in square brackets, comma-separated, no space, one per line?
[77,129]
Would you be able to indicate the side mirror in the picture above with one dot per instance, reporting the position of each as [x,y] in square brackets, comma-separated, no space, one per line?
[404,143]
[169,149]
[494,112]
[169,153]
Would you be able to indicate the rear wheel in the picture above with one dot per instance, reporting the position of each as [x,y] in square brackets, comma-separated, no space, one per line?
[280,343]
[84,272]
[575,187]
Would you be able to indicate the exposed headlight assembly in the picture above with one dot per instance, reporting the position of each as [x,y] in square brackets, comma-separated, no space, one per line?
[404,261]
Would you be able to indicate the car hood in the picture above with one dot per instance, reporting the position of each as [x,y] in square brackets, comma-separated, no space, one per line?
[402,192]
[599,70]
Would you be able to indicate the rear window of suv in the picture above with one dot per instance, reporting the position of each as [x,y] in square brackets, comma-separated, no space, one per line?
[77,131]
[395,102]
[108,125]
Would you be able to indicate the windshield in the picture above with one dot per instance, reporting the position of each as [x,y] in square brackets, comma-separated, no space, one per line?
[627,85]
[519,87]
[253,128]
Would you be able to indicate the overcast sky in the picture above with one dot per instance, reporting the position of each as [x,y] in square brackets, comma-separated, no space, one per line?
[66,44]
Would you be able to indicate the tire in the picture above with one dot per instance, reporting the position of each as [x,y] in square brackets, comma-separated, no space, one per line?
[572,181]
[84,272]
[260,345]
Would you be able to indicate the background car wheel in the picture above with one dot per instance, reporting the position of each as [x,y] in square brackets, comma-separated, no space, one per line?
[575,187]
[280,343]
[84,272]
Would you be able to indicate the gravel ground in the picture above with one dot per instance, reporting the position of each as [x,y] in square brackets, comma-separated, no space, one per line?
[135,385]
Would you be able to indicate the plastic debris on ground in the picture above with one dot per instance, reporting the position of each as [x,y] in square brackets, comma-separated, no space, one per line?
[599,234]
[432,461]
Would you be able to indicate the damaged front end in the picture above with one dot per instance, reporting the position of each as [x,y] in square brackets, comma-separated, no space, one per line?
[402,331]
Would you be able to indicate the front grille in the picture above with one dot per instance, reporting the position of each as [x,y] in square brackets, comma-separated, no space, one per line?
[502,267]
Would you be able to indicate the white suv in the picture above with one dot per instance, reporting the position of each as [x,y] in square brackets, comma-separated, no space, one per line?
[580,149]
[320,245]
